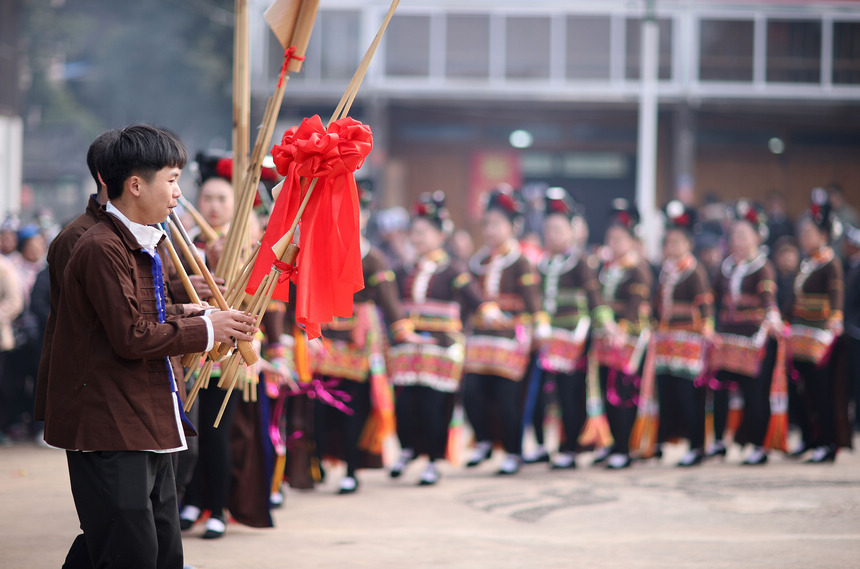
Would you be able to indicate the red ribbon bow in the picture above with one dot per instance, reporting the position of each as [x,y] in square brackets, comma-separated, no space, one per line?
[329,244]
[289,55]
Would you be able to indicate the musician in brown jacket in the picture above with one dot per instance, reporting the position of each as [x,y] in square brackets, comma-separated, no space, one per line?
[112,397]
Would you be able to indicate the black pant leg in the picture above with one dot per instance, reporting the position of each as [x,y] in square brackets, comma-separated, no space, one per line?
[756,394]
[405,410]
[476,390]
[817,384]
[211,482]
[354,424]
[539,411]
[691,402]
[854,371]
[800,401]
[667,395]
[571,389]
[435,420]
[721,412]
[78,556]
[126,502]
[509,404]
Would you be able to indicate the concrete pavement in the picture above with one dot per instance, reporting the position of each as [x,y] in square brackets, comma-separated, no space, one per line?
[721,515]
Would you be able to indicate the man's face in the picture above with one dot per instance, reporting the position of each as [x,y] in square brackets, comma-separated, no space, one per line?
[158,196]
[216,202]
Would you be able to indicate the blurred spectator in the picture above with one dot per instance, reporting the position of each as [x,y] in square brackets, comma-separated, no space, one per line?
[786,257]
[9,234]
[778,223]
[392,225]
[29,261]
[844,212]
[11,303]
[852,312]
[461,246]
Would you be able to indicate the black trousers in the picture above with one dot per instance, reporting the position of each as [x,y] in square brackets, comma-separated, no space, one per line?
[854,371]
[126,503]
[539,411]
[570,389]
[484,394]
[721,412]
[328,420]
[756,394]
[421,411]
[815,403]
[620,406]
[212,480]
[682,410]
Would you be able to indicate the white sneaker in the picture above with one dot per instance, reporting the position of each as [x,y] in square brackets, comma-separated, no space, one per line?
[276,499]
[430,476]
[189,515]
[691,458]
[537,455]
[406,456]
[510,465]
[348,485]
[564,460]
[617,461]
[757,457]
[819,454]
[601,455]
[481,452]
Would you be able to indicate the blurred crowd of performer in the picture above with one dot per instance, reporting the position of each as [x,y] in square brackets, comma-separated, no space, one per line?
[731,335]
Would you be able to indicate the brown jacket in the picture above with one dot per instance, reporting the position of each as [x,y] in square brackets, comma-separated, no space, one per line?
[108,383]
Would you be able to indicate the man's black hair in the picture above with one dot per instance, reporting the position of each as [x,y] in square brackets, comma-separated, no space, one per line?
[95,151]
[138,150]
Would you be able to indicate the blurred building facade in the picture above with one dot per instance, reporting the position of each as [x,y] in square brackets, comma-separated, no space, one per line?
[753,96]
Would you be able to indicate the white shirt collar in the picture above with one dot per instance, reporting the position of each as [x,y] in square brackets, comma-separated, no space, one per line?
[147,236]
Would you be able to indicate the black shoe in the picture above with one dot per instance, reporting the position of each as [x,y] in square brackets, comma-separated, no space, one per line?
[756,458]
[188,517]
[601,456]
[540,457]
[822,455]
[214,528]
[692,458]
[717,450]
[618,462]
[798,452]
[564,461]
[348,485]
[479,456]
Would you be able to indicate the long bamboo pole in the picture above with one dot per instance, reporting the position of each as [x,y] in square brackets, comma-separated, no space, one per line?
[248,354]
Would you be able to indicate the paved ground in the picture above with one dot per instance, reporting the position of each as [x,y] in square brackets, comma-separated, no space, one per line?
[721,515]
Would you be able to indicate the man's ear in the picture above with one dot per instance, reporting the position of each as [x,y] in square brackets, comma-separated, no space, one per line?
[133,184]
[102,184]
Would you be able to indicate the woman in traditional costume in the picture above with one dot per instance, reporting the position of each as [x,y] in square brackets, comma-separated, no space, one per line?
[435,293]
[571,298]
[626,287]
[685,316]
[744,355]
[816,323]
[497,352]
[352,359]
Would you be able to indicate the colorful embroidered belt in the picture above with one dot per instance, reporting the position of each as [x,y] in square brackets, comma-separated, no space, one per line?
[679,353]
[495,355]
[808,343]
[626,357]
[739,354]
[434,316]
[560,353]
[433,366]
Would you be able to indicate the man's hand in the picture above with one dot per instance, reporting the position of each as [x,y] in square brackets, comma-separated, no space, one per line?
[202,289]
[232,325]
[189,308]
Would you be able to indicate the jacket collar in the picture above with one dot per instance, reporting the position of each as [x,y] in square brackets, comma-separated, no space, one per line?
[123,227]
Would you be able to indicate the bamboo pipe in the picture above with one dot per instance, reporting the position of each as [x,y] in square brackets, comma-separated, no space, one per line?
[247,351]
[208,232]
[188,359]
[202,378]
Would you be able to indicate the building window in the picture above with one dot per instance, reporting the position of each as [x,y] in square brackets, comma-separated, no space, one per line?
[588,47]
[634,48]
[467,46]
[341,31]
[726,50]
[407,47]
[527,42]
[846,53]
[793,51]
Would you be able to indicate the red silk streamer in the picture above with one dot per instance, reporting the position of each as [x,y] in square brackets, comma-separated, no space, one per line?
[289,55]
[330,241]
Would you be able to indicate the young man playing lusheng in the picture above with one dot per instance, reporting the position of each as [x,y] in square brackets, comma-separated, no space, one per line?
[113,398]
